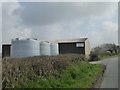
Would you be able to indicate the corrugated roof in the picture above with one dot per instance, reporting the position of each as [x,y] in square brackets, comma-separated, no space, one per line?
[72,40]
[62,41]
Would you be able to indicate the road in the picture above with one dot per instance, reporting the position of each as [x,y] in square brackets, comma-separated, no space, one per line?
[110,77]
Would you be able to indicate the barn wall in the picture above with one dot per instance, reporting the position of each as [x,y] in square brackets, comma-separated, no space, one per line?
[87,48]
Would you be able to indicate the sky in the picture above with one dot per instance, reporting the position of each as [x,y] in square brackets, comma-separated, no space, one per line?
[98,21]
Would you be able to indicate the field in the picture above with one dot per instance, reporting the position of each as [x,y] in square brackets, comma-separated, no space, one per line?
[62,71]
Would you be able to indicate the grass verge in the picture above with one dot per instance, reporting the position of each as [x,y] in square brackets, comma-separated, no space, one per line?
[105,57]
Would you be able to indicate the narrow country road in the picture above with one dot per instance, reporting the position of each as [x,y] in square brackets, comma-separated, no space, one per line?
[110,77]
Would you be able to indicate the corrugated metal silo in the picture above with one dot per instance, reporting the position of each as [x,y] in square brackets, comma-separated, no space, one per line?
[24,48]
[45,48]
[54,49]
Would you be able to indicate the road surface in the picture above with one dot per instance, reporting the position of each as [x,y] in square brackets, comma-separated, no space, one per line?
[110,77]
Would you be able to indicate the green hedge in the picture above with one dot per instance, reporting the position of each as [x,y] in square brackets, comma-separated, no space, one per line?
[80,75]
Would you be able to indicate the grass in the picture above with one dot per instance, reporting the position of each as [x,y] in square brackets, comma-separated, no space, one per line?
[80,75]
[105,56]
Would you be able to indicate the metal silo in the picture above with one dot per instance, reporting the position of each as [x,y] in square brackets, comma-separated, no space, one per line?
[44,48]
[54,49]
[24,48]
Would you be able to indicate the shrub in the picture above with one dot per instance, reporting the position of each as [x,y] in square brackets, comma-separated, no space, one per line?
[30,67]
[94,57]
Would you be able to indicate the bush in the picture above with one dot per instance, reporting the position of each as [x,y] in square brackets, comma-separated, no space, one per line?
[80,75]
[94,57]
[30,67]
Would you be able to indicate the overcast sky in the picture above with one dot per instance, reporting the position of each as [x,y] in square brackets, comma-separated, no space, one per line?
[60,20]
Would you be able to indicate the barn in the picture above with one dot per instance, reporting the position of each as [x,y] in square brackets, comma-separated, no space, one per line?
[30,48]
[74,46]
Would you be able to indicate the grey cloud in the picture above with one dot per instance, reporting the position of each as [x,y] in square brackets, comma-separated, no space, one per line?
[11,27]
[52,21]
[40,13]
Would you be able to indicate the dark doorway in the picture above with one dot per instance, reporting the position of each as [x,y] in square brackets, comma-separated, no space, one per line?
[65,48]
[6,50]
